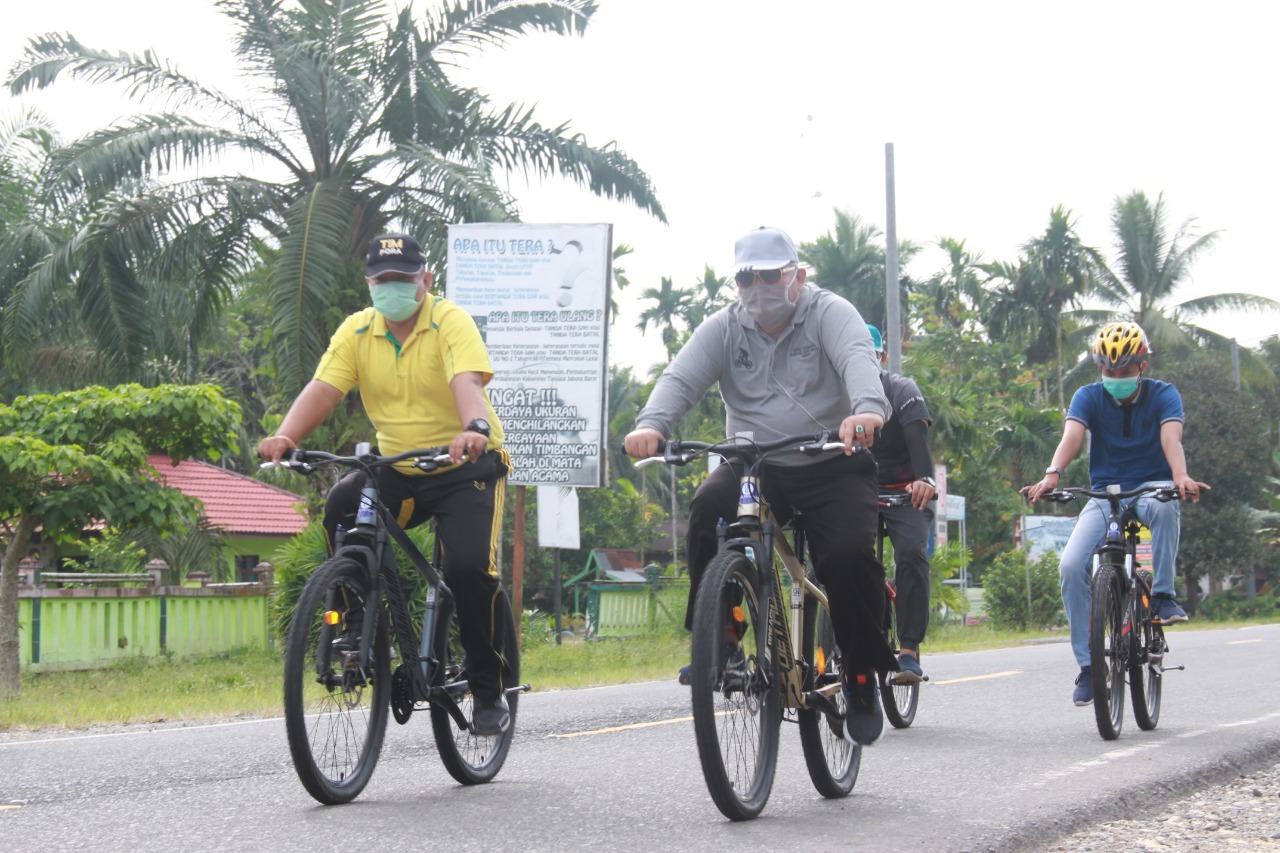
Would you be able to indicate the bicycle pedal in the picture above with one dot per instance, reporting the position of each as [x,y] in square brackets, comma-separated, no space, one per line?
[815,700]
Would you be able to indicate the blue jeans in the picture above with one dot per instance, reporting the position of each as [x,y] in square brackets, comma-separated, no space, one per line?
[1075,566]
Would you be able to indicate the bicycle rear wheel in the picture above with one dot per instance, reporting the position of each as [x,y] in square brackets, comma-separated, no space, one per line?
[736,700]
[1145,673]
[899,700]
[471,759]
[1108,650]
[833,762]
[335,715]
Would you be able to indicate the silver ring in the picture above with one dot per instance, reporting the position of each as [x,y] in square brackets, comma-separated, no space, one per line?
[858,428]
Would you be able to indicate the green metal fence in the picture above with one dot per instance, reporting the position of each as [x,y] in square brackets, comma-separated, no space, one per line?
[85,628]
[630,609]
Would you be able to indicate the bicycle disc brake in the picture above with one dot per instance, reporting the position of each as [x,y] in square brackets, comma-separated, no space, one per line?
[402,693]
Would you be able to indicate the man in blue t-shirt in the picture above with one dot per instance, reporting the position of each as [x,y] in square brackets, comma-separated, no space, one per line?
[1135,428]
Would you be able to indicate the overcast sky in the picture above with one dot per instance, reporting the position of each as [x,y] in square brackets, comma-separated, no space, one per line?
[747,112]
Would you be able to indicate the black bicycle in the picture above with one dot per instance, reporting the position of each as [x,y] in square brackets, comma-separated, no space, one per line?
[338,683]
[900,700]
[764,648]
[1124,639]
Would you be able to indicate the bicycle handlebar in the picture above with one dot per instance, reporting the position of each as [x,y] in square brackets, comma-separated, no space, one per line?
[306,461]
[896,499]
[1068,493]
[737,447]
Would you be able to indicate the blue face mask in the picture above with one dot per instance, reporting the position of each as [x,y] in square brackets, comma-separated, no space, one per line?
[395,300]
[1121,389]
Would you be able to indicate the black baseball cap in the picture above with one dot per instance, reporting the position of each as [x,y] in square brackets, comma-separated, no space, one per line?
[393,253]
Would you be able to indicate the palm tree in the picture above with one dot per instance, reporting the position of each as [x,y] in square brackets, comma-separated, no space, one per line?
[620,280]
[849,261]
[711,293]
[55,352]
[956,291]
[1030,298]
[360,128]
[1152,264]
[669,305]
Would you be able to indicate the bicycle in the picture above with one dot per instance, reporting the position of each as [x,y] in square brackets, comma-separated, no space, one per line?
[1123,638]
[338,680]
[900,701]
[759,658]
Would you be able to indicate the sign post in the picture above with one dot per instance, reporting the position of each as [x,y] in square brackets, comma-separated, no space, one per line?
[540,295]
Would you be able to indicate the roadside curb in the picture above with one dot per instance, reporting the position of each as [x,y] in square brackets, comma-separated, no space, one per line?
[1145,802]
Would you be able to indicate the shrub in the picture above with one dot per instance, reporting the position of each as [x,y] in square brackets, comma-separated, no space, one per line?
[297,561]
[1233,604]
[1023,595]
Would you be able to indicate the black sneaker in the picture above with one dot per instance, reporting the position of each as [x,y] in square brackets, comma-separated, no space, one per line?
[863,716]
[490,717]
[735,663]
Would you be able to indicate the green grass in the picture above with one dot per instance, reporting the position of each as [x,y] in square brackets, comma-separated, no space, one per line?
[245,685]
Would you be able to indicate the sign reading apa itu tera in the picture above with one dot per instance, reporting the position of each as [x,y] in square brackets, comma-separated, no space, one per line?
[539,295]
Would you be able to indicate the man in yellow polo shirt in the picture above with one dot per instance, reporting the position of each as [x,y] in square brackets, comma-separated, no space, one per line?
[421,366]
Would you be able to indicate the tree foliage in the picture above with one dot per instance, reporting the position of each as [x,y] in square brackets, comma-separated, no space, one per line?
[1227,442]
[358,125]
[72,460]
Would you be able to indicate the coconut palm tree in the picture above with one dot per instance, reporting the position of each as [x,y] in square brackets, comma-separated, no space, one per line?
[850,261]
[956,291]
[710,294]
[355,127]
[1152,264]
[1037,299]
[620,280]
[669,305]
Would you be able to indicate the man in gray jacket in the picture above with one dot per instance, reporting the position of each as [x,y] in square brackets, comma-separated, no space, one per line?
[791,359]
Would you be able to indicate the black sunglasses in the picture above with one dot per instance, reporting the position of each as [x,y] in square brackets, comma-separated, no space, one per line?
[746,278]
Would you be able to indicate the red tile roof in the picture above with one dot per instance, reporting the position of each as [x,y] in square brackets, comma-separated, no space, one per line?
[234,502]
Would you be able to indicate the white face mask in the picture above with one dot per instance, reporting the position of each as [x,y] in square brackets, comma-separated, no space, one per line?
[770,305]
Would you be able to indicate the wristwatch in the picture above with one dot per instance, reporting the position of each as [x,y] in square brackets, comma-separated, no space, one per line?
[1053,469]
[932,484]
[479,425]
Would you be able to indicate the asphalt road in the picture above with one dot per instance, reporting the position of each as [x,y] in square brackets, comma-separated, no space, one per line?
[998,759]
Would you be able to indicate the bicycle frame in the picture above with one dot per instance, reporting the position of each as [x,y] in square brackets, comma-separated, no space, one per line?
[1124,641]
[759,534]
[370,543]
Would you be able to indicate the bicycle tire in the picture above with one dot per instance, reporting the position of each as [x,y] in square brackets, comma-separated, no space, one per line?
[899,700]
[471,759]
[736,711]
[1146,679]
[833,762]
[335,724]
[1108,651]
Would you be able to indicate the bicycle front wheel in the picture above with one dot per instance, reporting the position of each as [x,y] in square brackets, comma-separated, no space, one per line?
[1108,651]
[471,759]
[899,700]
[736,701]
[1145,674]
[335,712]
[833,762]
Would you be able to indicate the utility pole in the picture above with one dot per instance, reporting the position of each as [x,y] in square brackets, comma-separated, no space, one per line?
[893,312]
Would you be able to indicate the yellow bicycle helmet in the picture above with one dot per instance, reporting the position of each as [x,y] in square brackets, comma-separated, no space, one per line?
[1120,344]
